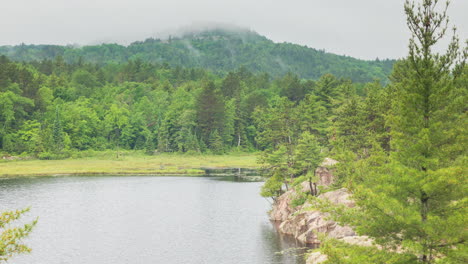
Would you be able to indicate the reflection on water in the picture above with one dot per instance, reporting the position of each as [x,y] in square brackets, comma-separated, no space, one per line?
[147,220]
[287,249]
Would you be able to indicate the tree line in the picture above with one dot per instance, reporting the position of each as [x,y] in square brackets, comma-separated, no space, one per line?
[51,108]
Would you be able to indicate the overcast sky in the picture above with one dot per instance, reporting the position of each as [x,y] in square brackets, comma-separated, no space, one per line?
[360,28]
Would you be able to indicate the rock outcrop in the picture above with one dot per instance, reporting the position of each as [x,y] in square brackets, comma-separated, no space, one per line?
[306,224]
[325,173]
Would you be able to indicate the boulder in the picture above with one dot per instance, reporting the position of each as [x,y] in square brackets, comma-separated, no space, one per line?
[306,225]
[325,173]
[282,207]
[340,196]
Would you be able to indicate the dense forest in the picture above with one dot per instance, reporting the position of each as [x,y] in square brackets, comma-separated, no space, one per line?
[51,108]
[218,50]
[401,144]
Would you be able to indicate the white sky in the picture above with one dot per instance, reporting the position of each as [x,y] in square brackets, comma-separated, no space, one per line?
[360,28]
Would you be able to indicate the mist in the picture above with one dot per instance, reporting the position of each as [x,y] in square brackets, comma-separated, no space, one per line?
[365,29]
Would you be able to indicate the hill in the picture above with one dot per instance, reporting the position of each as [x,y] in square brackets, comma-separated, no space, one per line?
[219,50]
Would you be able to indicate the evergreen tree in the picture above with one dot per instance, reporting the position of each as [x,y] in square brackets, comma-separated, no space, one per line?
[210,111]
[308,157]
[314,117]
[279,132]
[149,143]
[231,85]
[216,142]
[292,88]
[57,136]
[413,202]
[11,235]
[349,126]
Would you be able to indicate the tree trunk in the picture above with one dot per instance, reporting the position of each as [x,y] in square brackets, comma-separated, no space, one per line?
[311,187]
[424,211]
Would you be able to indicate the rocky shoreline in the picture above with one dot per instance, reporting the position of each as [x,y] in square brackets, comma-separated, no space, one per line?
[305,224]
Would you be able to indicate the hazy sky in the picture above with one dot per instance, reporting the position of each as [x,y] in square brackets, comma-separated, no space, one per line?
[360,28]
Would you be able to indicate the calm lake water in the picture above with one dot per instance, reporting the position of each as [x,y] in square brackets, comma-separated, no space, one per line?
[147,220]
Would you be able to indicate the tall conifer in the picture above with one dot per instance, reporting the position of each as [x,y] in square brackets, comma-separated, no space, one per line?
[413,204]
[57,132]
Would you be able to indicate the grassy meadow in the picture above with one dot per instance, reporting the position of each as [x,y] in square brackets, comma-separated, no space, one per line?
[127,163]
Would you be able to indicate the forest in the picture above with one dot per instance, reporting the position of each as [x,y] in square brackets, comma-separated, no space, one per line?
[400,139]
[51,108]
[219,50]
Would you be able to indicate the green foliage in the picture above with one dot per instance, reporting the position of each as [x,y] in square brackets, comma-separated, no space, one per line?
[141,105]
[339,252]
[220,51]
[290,148]
[401,147]
[308,154]
[210,112]
[57,134]
[27,139]
[82,124]
[216,142]
[149,143]
[272,186]
[404,158]
[299,199]
[11,236]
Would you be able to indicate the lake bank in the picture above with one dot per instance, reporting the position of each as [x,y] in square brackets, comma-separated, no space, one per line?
[128,163]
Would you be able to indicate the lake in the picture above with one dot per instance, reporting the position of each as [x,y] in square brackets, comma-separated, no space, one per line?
[145,219]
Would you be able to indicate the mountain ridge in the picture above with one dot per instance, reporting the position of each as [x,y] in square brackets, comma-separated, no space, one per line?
[218,49]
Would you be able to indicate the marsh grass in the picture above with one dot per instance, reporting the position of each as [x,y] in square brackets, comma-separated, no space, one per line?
[126,163]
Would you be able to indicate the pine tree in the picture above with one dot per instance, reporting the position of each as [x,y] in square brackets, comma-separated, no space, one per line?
[307,158]
[216,142]
[210,111]
[57,135]
[414,201]
[276,134]
[12,235]
[149,143]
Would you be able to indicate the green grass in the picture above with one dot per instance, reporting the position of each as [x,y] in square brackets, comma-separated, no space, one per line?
[128,163]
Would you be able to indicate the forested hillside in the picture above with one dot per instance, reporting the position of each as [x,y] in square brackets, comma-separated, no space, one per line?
[220,51]
[52,108]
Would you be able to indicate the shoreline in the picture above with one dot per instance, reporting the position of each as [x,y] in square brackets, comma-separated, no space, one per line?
[104,174]
[131,164]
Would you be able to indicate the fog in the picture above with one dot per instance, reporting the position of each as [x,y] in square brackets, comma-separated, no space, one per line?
[364,29]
